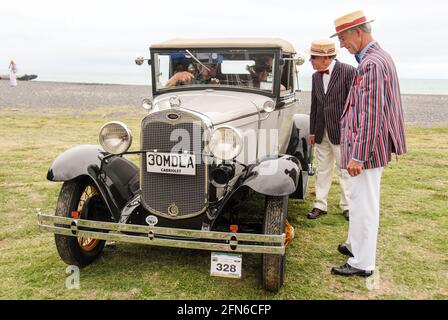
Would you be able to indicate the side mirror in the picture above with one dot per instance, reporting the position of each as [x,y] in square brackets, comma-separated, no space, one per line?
[140,60]
[299,59]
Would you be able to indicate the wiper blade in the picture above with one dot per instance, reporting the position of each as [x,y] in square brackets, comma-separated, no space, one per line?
[195,59]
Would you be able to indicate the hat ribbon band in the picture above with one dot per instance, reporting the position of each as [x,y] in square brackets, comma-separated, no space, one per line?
[314,50]
[350,24]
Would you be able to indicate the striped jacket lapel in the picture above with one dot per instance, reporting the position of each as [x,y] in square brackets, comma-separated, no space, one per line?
[347,102]
[320,84]
[356,78]
[334,75]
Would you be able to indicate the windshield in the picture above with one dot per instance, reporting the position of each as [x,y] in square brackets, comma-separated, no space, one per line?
[189,68]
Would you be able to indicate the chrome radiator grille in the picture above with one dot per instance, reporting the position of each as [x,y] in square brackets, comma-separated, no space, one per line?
[160,191]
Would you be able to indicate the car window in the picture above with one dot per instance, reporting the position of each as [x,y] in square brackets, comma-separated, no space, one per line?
[237,66]
[286,78]
[241,69]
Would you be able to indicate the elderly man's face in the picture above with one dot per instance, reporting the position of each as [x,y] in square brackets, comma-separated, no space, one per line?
[351,40]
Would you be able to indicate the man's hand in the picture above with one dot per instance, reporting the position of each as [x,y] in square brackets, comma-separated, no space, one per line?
[184,77]
[312,139]
[354,168]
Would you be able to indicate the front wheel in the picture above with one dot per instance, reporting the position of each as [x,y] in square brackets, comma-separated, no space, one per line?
[274,265]
[79,251]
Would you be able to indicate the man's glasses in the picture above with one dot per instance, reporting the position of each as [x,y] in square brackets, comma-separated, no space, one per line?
[313,57]
[265,68]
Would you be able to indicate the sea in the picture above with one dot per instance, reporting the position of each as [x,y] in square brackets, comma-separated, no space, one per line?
[407,86]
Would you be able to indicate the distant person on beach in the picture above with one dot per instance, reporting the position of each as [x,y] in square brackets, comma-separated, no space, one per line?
[12,74]
[372,128]
[330,87]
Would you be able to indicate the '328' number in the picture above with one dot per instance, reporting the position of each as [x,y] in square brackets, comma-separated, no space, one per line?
[225,267]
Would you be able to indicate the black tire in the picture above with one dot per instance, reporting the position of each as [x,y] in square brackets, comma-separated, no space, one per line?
[73,250]
[274,265]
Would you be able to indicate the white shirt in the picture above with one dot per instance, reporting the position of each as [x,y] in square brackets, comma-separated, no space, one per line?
[326,77]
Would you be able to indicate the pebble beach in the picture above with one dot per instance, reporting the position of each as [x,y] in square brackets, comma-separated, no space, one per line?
[43,97]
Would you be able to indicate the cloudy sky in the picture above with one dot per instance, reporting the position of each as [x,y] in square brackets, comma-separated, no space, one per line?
[97,40]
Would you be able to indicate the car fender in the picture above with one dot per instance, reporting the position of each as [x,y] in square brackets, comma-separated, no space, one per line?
[75,162]
[274,176]
[298,143]
[300,148]
[117,179]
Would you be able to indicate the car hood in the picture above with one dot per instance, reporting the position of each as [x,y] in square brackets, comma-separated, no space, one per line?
[218,106]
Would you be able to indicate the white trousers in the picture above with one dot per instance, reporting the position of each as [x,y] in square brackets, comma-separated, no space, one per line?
[12,79]
[364,218]
[326,155]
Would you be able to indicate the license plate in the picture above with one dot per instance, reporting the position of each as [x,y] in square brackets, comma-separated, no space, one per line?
[227,265]
[171,163]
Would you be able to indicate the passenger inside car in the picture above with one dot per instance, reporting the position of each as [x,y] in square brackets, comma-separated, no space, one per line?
[263,73]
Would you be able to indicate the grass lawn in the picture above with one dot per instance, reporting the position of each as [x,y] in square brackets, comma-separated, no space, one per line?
[412,257]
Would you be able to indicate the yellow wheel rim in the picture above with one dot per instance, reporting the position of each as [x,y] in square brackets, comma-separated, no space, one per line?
[87,243]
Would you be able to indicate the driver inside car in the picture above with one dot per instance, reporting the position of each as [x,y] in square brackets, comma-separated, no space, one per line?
[198,73]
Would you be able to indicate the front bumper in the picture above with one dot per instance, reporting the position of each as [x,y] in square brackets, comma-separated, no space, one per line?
[166,237]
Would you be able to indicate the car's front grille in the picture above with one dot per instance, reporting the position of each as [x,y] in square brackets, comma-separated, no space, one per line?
[173,195]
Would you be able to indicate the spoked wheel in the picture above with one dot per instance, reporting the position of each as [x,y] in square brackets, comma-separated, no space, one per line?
[274,265]
[79,251]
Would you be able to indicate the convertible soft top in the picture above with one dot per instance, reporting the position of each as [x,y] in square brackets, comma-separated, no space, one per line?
[182,43]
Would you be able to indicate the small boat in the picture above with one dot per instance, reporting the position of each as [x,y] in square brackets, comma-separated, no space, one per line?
[25,77]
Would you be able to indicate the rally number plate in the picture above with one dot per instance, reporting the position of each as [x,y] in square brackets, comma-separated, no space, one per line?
[171,163]
[227,265]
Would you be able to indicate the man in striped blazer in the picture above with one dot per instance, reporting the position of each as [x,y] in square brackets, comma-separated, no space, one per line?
[330,87]
[372,127]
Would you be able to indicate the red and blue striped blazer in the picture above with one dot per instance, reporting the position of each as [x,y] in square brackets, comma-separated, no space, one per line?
[372,125]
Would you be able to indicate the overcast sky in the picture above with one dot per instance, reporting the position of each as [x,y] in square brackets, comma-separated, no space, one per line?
[97,40]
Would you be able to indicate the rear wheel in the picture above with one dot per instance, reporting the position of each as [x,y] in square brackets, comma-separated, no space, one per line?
[274,265]
[79,251]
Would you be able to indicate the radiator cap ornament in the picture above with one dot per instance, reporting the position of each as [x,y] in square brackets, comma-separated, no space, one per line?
[175,102]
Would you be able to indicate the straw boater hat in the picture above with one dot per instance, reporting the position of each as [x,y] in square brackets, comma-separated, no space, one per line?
[350,20]
[322,48]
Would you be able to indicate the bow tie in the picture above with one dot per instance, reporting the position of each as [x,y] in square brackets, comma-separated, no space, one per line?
[326,71]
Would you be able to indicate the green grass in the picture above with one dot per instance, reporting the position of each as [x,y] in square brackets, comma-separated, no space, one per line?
[412,258]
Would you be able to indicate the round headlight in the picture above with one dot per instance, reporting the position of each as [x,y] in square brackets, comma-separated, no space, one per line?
[225,143]
[147,104]
[115,137]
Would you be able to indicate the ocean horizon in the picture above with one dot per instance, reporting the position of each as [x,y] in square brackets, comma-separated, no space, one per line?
[407,86]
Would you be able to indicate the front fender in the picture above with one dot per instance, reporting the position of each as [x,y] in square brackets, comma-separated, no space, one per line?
[277,176]
[117,182]
[75,162]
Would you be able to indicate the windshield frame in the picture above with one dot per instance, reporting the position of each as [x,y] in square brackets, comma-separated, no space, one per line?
[276,52]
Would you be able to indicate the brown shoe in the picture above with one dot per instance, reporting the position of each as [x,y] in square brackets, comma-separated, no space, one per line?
[345,213]
[316,213]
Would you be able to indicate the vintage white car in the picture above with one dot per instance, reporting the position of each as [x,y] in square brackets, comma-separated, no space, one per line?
[222,125]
